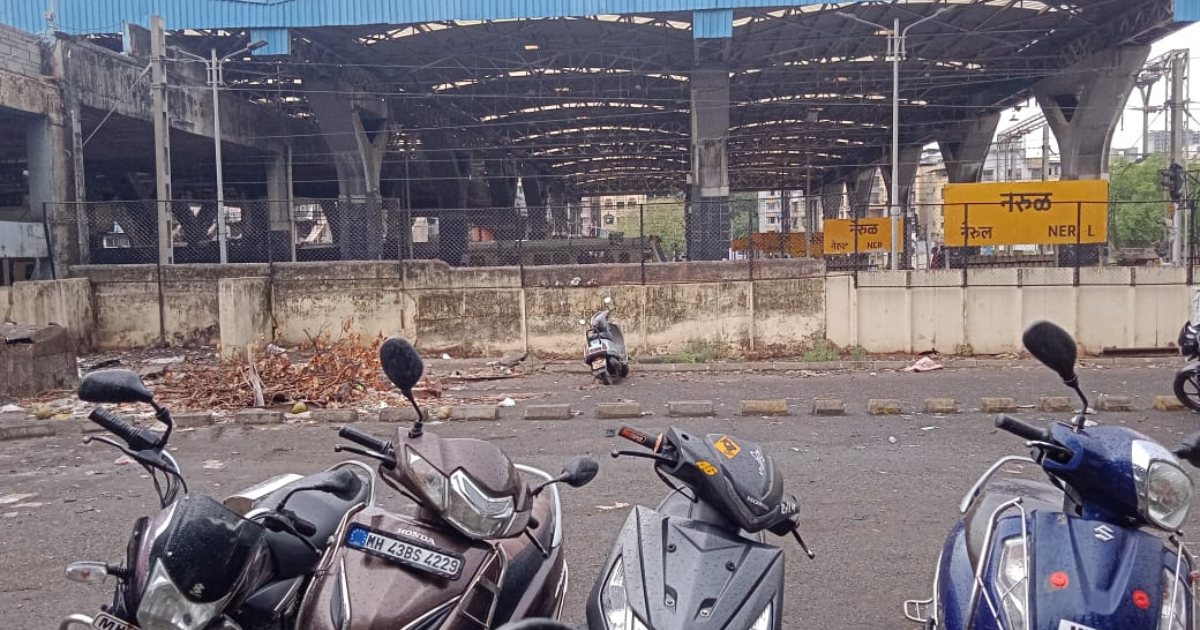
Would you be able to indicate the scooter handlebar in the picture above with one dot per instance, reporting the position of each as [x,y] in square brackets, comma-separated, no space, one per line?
[1021,428]
[137,439]
[366,440]
[638,437]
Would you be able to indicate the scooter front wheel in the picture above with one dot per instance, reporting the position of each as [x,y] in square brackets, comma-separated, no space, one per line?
[1187,388]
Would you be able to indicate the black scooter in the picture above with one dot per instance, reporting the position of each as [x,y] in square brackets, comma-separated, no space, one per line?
[605,353]
[700,561]
[241,564]
[1187,379]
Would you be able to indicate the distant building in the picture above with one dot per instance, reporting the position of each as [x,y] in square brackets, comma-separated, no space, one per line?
[1160,142]
[770,212]
[607,210]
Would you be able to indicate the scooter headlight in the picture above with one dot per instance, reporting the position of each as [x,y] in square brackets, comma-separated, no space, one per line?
[1173,615]
[431,480]
[614,603]
[463,503]
[1168,492]
[764,620]
[163,607]
[1012,582]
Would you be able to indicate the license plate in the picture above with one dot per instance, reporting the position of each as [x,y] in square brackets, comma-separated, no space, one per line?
[405,552]
[599,363]
[1063,624]
[105,621]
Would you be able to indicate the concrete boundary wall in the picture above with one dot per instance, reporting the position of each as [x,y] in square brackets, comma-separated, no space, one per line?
[489,312]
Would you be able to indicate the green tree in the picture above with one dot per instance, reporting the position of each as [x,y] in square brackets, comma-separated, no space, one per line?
[1138,209]
[664,219]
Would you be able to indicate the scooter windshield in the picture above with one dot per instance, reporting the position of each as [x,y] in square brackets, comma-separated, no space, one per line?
[205,548]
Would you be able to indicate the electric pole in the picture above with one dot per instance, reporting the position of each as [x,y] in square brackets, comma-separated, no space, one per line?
[1175,106]
[162,137]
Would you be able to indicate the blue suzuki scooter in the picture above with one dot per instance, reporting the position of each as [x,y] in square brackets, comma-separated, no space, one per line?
[1071,554]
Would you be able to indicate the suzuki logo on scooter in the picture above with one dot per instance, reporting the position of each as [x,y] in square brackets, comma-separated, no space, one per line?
[1104,533]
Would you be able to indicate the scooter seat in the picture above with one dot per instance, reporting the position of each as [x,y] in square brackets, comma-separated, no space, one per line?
[1035,495]
[324,510]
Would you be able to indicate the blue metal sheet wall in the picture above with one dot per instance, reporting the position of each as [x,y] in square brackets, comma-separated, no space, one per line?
[106,16]
[712,23]
[279,41]
[1187,10]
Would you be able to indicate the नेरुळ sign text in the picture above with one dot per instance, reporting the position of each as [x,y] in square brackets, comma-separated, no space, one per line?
[1026,213]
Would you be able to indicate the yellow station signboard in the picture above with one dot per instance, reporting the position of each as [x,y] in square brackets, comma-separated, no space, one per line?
[850,236]
[1027,213]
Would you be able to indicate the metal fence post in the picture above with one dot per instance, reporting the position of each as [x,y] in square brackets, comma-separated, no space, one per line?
[642,235]
[966,235]
[1078,237]
[750,217]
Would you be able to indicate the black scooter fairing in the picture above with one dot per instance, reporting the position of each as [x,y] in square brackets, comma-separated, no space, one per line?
[685,559]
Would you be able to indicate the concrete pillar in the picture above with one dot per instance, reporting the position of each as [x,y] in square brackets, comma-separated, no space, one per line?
[1083,104]
[833,196]
[965,147]
[51,183]
[708,228]
[357,133]
[859,189]
[535,203]
[279,193]
[243,314]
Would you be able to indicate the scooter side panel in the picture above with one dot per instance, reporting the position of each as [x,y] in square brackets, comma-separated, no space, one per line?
[364,592]
[1104,566]
[682,574]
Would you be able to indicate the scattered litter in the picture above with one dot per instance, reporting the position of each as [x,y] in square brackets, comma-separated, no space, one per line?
[508,402]
[929,428]
[1024,406]
[924,364]
[795,450]
[91,473]
[445,356]
[165,361]
[616,506]
[29,505]
[11,409]
[892,439]
[274,349]
[10,514]
[576,281]
[859,517]
[6,499]
[213,464]
[647,413]
[104,364]
[123,460]
[1089,423]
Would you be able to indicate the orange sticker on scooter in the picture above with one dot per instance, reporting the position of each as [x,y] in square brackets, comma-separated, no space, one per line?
[728,447]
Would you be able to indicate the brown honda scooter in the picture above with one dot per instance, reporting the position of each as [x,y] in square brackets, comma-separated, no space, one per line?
[483,548]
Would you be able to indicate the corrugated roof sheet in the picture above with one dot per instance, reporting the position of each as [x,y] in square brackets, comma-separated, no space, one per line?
[1187,10]
[107,16]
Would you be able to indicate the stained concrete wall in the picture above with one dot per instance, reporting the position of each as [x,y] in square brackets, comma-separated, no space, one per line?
[1113,307]
[488,312]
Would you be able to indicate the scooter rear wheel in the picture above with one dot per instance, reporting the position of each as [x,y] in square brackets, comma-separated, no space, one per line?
[1187,388]
[604,378]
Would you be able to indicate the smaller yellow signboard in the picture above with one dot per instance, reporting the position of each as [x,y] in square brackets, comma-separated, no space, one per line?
[851,236]
[1027,213]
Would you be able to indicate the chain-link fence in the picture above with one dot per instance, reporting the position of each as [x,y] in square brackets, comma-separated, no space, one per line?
[650,241]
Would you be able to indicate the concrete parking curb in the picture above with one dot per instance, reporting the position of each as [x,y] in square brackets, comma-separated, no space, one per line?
[334,416]
[258,416]
[827,366]
[1168,403]
[1114,403]
[475,413]
[26,430]
[998,405]
[618,410]
[548,412]
[883,407]
[192,420]
[690,408]
[941,406]
[775,407]
[1056,404]
[828,407]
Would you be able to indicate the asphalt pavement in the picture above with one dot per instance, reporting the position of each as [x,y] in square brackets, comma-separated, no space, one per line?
[878,493]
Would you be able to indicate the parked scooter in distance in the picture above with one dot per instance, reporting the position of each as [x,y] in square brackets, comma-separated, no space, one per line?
[605,353]
[199,563]
[699,561]
[484,546]
[1072,554]
[1187,379]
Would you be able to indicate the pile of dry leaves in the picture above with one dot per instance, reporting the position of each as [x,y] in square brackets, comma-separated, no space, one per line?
[337,372]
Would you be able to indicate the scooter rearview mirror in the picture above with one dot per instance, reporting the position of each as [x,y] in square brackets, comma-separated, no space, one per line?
[404,367]
[114,387]
[1054,347]
[580,471]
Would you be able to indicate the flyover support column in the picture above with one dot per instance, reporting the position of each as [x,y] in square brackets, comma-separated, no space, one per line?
[708,227]
[900,194]
[450,172]
[357,133]
[282,230]
[965,146]
[859,188]
[1083,105]
[833,195]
